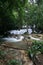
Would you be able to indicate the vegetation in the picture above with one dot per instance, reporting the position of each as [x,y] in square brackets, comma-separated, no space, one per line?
[2,54]
[15,13]
[14,62]
[37,47]
[8,62]
[11,14]
[34,15]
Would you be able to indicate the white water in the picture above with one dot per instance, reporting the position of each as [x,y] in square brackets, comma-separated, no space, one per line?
[13,39]
[33,38]
[18,39]
[21,31]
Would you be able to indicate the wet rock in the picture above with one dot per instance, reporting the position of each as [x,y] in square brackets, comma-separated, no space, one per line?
[39,59]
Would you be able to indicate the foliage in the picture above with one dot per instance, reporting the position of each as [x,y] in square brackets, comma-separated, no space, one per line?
[11,14]
[34,15]
[39,2]
[30,15]
[14,62]
[2,54]
[37,46]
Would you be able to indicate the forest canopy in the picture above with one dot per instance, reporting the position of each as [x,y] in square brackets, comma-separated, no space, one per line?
[13,14]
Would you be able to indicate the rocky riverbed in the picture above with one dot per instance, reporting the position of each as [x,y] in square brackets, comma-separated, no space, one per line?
[10,53]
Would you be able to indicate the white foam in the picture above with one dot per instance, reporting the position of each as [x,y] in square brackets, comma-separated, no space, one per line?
[21,31]
[13,39]
[34,38]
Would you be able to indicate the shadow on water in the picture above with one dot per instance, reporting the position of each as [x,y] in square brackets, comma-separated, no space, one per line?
[1,40]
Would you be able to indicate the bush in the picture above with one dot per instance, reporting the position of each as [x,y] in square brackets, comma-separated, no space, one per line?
[37,47]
